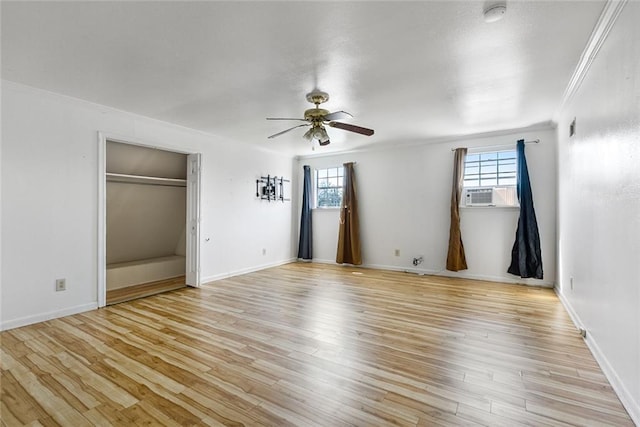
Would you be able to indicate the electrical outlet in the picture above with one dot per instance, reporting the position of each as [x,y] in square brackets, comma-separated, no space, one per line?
[264,251]
[61,285]
[397,252]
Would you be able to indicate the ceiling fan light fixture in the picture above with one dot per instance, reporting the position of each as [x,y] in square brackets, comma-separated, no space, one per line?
[495,12]
[308,134]
[320,133]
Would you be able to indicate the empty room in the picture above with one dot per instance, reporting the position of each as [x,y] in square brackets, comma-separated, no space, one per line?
[315,213]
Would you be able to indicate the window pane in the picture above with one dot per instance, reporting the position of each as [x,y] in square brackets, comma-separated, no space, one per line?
[472,169]
[471,182]
[505,167]
[507,181]
[329,187]
[507,175]
[507,155]
[488,156]
[322,198]
[489,166]
[490,169]
[488,182]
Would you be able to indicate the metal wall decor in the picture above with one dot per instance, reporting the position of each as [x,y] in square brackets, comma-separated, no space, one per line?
[271,188]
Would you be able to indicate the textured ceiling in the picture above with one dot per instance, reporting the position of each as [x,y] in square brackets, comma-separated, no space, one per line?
[413,71]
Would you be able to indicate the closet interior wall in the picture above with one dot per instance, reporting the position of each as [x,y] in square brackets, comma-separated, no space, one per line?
[146,215]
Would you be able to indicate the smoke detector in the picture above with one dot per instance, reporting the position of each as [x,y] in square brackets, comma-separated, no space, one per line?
[495,12]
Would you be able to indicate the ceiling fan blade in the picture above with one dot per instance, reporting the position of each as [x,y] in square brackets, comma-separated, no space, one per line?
[325,142]
[337,115]
[282,118]
[351,128]
[286,130]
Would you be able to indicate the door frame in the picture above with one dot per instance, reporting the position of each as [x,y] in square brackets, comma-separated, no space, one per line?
[192,256]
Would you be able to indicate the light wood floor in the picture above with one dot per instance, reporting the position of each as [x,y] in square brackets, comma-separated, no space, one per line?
[143,290]
[309,344]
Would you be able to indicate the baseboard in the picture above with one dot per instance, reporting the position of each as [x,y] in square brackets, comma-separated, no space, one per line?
[324,261]
[208,279]
[377,266]
[567,306]
[446,273]
[43,317]
[632,407]
[503,279]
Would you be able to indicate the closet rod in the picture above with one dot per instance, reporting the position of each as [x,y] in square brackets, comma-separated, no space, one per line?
[533,141]
[145,180]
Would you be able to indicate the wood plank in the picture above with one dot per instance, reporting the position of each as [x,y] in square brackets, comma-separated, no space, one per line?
[129,293]
[311,344]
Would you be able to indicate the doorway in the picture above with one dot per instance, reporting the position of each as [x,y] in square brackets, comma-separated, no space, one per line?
[148,222]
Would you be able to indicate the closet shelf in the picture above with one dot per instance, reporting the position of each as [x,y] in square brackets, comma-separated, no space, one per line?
[146,180]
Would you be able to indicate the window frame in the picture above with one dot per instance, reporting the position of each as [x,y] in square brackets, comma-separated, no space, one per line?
[339,177]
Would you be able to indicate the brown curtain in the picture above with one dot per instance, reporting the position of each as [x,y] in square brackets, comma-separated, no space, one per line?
[455,257]
[349,235]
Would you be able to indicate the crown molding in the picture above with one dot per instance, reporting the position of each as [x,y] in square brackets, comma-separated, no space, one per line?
[605,23]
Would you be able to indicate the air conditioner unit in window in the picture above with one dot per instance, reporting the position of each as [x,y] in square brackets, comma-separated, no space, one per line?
[479,197]
[491,196]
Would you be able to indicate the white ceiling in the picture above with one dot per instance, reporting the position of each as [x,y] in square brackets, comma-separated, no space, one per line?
[413,71]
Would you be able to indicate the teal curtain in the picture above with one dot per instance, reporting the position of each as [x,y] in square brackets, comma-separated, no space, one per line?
[526,256]
[305,245]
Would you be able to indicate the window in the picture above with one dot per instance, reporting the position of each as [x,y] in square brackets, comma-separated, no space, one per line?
[490,169]
[490,178]
[329,187]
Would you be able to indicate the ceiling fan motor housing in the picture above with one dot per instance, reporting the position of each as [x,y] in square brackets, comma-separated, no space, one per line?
[315,114]
[317,97]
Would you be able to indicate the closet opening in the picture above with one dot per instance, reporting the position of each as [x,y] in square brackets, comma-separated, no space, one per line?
[150,221]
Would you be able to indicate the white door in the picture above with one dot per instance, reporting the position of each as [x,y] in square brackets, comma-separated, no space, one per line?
[193,220]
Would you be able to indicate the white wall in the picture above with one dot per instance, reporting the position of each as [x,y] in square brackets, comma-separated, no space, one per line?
[50,207]
[404,195]
[144,221]
[599,207]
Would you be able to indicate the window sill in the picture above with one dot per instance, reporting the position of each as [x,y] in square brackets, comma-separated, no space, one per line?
[337,208]
[491,207]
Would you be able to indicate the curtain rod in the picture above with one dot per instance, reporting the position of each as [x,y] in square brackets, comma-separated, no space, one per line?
[533,141]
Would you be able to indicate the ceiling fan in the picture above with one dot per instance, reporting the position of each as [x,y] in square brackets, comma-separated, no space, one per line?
[317,118]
